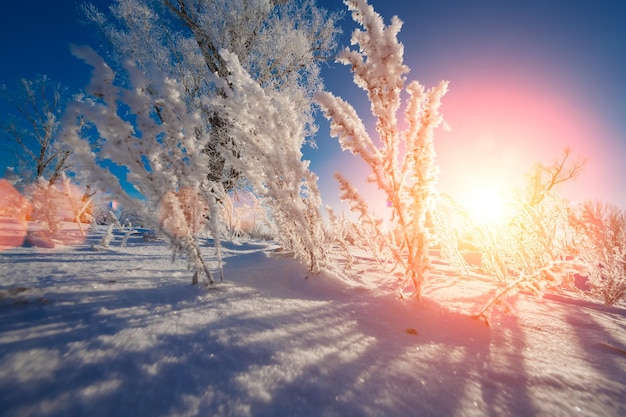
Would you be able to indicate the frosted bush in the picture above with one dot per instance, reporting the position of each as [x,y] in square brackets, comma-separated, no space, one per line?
[407,177]
[128,230]
[450,225]
[270,134]
[538,231]
[15,209]
[542,232]
[550,276]
[56,202]
[339,236]
[130,216]
[161,150]
[48,205]
[602,243]
[347,234]
[108,237]
[79,202]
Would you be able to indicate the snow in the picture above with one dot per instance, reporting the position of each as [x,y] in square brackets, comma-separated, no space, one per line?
[122,332]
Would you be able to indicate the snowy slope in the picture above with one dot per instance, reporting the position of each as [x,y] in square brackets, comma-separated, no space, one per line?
[122,332]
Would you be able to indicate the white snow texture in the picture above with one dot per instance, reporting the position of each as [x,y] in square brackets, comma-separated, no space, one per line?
[121,332]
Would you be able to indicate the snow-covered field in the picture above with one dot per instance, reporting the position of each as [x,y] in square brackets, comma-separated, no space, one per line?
[121,332]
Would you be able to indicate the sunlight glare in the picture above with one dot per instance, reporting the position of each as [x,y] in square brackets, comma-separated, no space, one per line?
[486,206]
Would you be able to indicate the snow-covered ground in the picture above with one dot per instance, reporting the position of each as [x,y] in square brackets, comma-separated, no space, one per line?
[122,332]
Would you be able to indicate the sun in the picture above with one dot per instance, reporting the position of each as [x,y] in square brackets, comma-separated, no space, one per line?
[486,205]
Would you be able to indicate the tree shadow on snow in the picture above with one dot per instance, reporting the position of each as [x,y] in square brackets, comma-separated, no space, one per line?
[447,368]
[597,337]
[160,351]
[176,350]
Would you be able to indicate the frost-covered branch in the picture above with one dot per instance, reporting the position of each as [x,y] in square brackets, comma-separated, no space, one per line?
[149,131]
[537,283]
[544,178]
[602,243]
[270,136]
[408,177]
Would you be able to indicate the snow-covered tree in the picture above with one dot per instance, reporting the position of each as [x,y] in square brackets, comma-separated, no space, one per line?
[404,165]
[130,216]
[151,131]
[29,133]
[30,136]
[270,136]
[543,178]
[281,44]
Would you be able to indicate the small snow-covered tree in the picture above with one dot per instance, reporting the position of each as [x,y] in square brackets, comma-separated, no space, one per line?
[602,244]
[538,232]
[404,165]
[30,131]
[346,234]
[14,209]
[162,151]
[130,216]
[270,136]
[48,205]
[52,205]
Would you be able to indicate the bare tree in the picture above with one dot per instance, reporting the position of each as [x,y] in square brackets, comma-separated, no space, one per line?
[544,178]
[30,132]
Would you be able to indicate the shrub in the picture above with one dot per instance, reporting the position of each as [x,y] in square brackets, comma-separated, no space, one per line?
[408,178]
[602,243]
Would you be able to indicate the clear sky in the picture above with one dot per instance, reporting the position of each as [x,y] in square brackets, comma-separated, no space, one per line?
[527,78]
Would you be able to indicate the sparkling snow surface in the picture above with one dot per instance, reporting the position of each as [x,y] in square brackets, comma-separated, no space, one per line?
[121,332]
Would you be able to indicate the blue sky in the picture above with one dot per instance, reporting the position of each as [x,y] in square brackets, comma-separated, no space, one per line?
[526,79]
